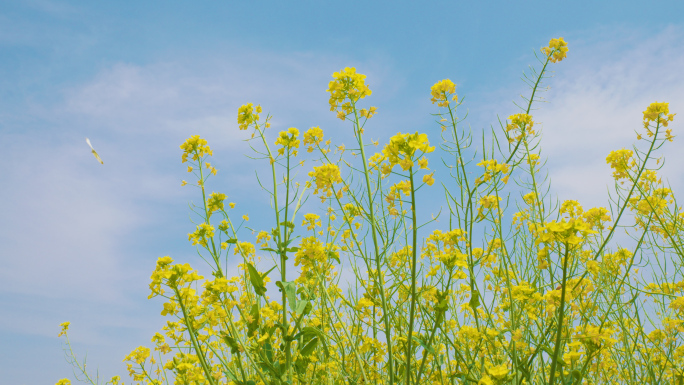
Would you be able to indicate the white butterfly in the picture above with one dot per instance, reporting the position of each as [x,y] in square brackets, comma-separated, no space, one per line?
[93,151]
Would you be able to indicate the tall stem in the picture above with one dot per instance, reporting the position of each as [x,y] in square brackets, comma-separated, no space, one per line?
[378,264]
[414,262]
[561,314]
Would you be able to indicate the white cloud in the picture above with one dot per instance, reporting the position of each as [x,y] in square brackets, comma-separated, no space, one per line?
[597,106]
[70,225]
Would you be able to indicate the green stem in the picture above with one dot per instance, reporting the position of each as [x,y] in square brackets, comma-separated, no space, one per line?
[193,338]
[561,314]
[414,262]
[378,264]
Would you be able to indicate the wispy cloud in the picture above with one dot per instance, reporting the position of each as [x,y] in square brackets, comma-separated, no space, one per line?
[73,225]
[595,105]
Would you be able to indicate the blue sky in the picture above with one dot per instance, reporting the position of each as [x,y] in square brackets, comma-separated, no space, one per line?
[79,240]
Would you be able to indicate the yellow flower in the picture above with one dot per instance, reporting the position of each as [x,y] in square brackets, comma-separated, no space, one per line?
[499,371]
[347,85]
[490,201]
[522,122]
[138,355]
[618,161]
[262,238]
[313,137]
[247,115]
[245,217]
[402,147]
[183,183]
[325,176]
[63,381]
[65,327]
[678,304]
[311,220]
[557,50]
[203,232]
[653,114]
[288,139]
[441,91]
[215,202]
[429,179]
[196,147]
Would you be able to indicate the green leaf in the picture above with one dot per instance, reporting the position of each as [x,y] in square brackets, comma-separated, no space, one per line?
[290,290]
[334,256]
[312,332]
[268,249]
[256,279]
[474,299]
[309,348]
[442,306]
[303,307]
[269,352]
[254,325]
[292,249]
[424,345]
[268,272]
[232,241]
[287,224]
[231,342]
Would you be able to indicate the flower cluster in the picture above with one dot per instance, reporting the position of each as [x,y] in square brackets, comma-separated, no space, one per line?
[402,147]
[313,257]
[311,221]
[324,177]
[557,50]
[521,123]
[196,147]
[313,137]
[488,202]
[570,230]
[368,113]
[395,193]
[347,85]
[441,92]
[288,140]
[492,168]
[621,161]
[659,113]
[215,202]
[443,247]
[204,231]
[248,115]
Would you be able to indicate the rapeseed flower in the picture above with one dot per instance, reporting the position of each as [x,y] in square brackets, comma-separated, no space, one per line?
[311,221]
[196,147]
[248,115]
[203,232]
[659,113]
[441,92]
[402,147]
[215,202]
[620,161]
[313,137]
[347,85]
[288,139]
[65,328]
[557,50]
[325,177]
